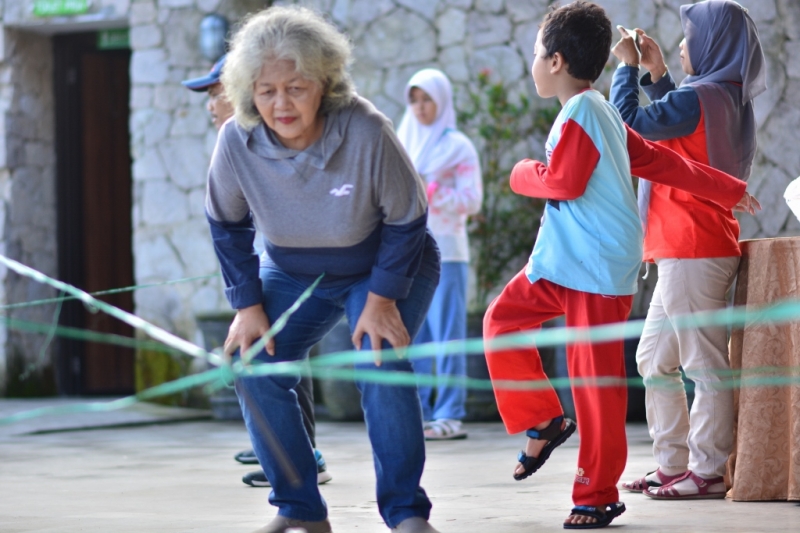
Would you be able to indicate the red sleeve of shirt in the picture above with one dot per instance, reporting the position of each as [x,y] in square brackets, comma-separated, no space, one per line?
[659,164]
[571,165]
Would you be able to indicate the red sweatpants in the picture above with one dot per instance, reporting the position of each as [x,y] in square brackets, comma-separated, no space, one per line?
[600,410]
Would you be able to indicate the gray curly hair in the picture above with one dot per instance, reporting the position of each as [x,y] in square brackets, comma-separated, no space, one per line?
[319,51]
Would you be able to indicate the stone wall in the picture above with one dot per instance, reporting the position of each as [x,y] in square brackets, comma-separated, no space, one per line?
[171,143]
[395,38]
[27,202]
[172,138]
[778,113]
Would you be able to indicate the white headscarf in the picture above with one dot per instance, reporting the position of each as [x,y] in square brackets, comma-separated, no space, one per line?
[430,147]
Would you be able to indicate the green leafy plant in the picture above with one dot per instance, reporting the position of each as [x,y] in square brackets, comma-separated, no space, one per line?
[503,232]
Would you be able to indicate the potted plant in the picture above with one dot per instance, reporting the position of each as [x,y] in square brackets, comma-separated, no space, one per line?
[504,129]
[502,234]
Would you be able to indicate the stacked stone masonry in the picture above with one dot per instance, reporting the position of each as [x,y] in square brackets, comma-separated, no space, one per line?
[172,138]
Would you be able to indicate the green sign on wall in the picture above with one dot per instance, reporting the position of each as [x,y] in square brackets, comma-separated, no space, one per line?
[113,39]
[53,8]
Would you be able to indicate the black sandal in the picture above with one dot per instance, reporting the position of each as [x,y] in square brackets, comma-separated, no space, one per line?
[604,515]
[552,433]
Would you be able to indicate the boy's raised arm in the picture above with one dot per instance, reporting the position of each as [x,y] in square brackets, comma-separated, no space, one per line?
[571,165]
[659,164]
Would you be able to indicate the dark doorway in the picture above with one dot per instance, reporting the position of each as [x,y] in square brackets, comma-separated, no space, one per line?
[94,208]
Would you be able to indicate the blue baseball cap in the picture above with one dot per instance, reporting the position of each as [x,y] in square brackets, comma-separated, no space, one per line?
[204,82]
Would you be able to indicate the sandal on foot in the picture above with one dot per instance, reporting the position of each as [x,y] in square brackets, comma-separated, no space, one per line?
[642,484]
[604,514]
[552,433]
[671,492]
[444,429]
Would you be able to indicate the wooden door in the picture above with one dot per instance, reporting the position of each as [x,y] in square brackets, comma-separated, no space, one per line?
[108,261]
[94,208]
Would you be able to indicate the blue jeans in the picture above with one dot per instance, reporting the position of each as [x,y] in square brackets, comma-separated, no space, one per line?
[446,320]
[394,421]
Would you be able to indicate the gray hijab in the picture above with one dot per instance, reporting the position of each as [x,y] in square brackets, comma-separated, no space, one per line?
[723,46]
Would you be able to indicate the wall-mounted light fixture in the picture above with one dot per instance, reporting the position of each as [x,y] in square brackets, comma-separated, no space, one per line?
[213,31]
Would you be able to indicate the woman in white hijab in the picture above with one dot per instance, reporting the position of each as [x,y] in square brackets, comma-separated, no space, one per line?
[448,162]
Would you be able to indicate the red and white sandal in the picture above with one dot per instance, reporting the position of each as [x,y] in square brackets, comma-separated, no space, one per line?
[642,484]
[707,489]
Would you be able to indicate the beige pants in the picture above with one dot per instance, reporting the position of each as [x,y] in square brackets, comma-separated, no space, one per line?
[700,440]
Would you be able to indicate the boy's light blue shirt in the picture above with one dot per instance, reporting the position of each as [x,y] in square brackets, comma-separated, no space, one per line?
[592,243]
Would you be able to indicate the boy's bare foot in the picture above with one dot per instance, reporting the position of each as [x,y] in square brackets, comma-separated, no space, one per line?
[579,519]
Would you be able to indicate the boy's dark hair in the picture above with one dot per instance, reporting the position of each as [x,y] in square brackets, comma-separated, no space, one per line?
[581,32]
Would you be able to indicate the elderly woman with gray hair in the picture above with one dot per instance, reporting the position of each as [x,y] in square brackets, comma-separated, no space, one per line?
[320,173]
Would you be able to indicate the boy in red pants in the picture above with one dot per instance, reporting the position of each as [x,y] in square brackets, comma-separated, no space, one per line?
[585,261]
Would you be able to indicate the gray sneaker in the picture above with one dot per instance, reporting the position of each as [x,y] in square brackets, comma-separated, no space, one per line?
[256,479]
[259,478]
[247,457]
[281,524]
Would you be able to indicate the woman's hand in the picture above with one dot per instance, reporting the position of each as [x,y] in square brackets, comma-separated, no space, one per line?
[249,325]
[625,49]
[380,319]
[748,204]
[652,57]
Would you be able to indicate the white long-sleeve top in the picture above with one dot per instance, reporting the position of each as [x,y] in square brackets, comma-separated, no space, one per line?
[454,193]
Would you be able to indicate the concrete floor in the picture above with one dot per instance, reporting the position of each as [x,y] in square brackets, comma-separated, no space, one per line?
[181,477]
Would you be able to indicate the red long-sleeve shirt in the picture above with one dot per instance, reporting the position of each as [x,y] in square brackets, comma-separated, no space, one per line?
[575,156]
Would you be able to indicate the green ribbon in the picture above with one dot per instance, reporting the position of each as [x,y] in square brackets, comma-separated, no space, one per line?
[130,288]
[138,323]
[339,365]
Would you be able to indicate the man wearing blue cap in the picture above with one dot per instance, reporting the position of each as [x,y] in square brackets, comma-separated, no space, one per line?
[221,110]
[218,106]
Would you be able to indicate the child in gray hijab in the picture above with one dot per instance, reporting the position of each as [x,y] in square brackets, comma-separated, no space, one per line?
[708,118]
